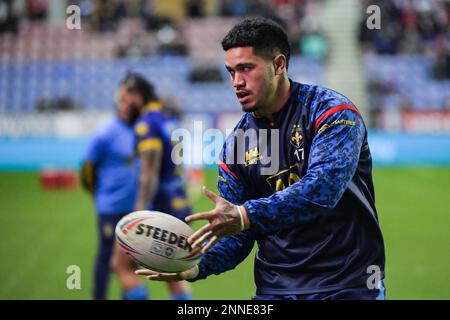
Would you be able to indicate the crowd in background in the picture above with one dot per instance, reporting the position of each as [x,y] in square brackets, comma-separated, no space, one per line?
[409,55]
[299,17]
[413,27]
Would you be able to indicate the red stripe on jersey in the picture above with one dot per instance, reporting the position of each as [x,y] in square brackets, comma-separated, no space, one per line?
[333,110]
[224,167]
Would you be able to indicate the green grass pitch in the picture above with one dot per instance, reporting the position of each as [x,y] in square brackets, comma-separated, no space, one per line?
[44,232]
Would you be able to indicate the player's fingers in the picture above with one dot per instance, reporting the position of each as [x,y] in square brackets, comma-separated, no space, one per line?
[197,234]
[211,195]
[158,276]
[199,216]
[164,277]
[145,272]
[213,241]
[202,239]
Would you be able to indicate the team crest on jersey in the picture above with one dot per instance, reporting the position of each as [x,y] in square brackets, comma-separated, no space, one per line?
[252,156]
[142,129]
[296,136]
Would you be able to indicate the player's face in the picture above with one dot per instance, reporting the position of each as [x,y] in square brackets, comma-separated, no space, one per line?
[252,77]
[126,110]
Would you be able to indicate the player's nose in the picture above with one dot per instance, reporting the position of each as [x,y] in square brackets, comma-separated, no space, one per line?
[238,81]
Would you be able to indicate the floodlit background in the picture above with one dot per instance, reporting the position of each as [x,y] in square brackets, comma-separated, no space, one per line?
[57,85]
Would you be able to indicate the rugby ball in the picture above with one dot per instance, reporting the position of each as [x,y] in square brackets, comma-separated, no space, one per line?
[157,241]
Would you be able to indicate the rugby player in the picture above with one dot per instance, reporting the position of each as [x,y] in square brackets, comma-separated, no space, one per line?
[161,187]
[314,219]
[110,174]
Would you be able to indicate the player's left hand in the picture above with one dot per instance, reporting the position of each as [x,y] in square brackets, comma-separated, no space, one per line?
[169,277]
[224,220]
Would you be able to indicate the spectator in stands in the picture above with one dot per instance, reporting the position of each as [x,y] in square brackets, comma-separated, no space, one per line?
[37,9]
[234,8]
[87,8]
[104,15]
[441,64]
[138,47]
[409,27]
[249,7]
[8,17]
[121,10]
[195,8]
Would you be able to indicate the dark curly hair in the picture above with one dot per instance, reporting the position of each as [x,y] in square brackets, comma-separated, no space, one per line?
[136,82]
[266,37]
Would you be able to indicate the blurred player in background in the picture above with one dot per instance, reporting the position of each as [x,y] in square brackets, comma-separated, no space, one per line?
[160,182]
[194,174]
[315,219]
[110,174]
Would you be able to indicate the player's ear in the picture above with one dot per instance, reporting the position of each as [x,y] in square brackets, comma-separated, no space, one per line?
[279,62]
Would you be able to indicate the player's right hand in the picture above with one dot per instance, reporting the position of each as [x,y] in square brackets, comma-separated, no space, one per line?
[226,219]
[169,277]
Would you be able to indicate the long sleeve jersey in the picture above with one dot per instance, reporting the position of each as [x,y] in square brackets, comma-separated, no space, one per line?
[314,218]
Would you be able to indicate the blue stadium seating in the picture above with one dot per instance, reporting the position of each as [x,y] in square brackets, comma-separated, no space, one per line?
[92,83]
[411,80]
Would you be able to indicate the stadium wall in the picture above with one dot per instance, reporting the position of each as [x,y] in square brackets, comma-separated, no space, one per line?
[25,154]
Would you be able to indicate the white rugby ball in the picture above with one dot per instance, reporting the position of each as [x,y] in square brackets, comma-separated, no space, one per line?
[157,241]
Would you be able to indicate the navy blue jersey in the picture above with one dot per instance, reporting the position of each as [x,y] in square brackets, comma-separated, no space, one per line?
[153,131]
[314,219]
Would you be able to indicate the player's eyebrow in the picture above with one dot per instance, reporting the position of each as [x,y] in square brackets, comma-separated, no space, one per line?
[240,65]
